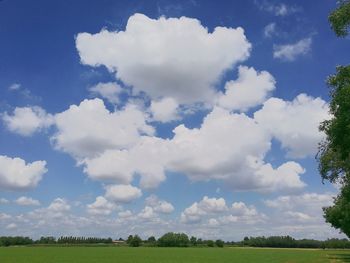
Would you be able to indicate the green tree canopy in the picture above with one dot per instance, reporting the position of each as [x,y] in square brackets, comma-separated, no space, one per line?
[339,214]
[340,18]
[334,151]
[135,241]
[173,240]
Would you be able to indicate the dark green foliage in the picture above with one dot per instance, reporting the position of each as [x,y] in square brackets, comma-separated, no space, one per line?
[15,241]
[84,240]
[334,152]
[289,242]
[339,214]
[173,240]
[181,240]
[210,243]
[151,239]
[219,243]
[136,241]
[273,241]
[46,240]
[130,238]
[340,18]
[193,241]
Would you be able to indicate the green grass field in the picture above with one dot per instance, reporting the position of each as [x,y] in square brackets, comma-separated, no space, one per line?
[166,255]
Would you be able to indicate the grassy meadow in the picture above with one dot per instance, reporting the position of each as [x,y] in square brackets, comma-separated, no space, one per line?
[167,255]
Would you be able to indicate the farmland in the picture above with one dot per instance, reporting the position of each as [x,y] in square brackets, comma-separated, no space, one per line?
[167,255]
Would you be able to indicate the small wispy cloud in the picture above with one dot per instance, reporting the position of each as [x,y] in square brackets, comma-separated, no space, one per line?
[290,52]
[24,92]
[27,201]
[3,201]
[14,86]
[270,30]
[278,9]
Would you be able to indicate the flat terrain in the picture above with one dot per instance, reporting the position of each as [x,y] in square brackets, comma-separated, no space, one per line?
[167,255]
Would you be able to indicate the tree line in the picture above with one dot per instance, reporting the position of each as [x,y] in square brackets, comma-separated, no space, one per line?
[172,239]
[289,242]
[21,241]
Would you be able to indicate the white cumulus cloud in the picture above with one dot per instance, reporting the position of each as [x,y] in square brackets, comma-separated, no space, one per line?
[122,193]
[249,90]
[16,174]
[179,58]
[101,206]
[228,147]
[164,110]
[27,120]
[295,123]
[90,128]
[160,206]
[109,91]
[206,206]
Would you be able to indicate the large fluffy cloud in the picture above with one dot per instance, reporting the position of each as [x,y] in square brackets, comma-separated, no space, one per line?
[16,174]
[230,147]
[146,159]
[90,128]
[27,120]
[294,123]
[249,90]
[166,57]
[227,146]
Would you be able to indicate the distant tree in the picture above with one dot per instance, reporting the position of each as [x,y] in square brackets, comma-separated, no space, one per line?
[136,241]
[15,241]
[129,239]
[173,240]
[151,239]
[219,243]
[210,243]
[193,241]
[46,240]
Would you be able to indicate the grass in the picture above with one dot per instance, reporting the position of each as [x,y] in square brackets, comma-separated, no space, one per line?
[167,255]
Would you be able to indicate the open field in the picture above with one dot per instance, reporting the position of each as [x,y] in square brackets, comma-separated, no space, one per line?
[167,255]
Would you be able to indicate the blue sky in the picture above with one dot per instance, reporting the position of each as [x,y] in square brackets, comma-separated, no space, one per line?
[144,117]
